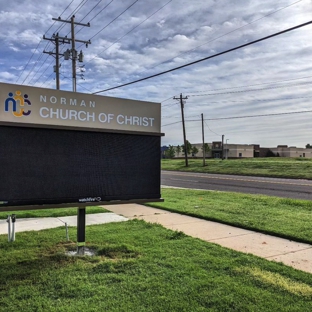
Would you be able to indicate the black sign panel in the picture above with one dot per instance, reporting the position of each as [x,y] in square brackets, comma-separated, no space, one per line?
[52,166]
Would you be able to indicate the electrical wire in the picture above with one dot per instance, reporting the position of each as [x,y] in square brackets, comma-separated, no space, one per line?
[252,85]
[263,115]
[47,45]
[114,19]
[253,100]
[46,80]
[91,10]
[210,129]
[169,98]
[252,90]
[44,72]
[208,57]
[87,15]
[223,35]
[59,16]
[240,117]
[77,83]
[33,67]
[117,40]
[28,61]
[39,44]
[101,11]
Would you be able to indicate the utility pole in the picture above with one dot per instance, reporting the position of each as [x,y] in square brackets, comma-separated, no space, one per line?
[203,132]
[73,53]
[183,124]
[222,146]
[56,40]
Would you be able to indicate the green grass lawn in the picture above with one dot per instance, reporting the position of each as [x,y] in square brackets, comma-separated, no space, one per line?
[41,213]
[288,218]
[142,267]
[300,168]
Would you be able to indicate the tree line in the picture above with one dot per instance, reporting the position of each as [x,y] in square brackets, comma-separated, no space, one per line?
[172,151]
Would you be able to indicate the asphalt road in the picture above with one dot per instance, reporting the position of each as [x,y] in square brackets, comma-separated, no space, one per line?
[289,188]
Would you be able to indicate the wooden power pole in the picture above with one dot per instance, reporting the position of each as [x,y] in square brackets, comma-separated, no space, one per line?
[181,98]
[203,133]
[73,53]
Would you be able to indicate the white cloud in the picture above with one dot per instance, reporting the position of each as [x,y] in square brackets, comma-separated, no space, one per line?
[202,27]
[6,76]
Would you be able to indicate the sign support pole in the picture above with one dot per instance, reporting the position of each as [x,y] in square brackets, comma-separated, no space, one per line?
[81,231]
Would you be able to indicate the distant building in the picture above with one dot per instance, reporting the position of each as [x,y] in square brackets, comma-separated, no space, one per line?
[248,151]
[291,151]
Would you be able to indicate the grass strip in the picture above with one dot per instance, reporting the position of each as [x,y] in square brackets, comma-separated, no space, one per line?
[296,168]
[283,217]
[44,213]
[143,267]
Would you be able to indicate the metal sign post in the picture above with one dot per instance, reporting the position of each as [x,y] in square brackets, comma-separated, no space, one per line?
[81,230]
[11,227]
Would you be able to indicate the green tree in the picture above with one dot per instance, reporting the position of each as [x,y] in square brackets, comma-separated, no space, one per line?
[170,152]
[308,146]
[194,150]
[178,150]
[206,148]
[188,147]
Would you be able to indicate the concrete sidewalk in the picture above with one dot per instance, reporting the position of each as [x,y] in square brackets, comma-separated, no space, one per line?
[291,253]
[297,255]
[36,224]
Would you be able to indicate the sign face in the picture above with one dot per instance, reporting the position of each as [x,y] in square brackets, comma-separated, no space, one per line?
[24,105]
[59,167]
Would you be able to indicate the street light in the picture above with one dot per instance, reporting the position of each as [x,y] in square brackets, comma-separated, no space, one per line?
[226,149]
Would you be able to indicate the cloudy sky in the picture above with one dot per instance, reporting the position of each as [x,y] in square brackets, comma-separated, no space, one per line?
[269,80]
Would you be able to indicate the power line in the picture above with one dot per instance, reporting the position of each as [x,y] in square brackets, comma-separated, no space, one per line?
[172,123]
[78,8]
[87,15]
[114,19]
[223,35]
[77,83]
[131,30]
[208,57]
[46,47]
[33,67]
[43,63]
[60,16]
[169,98]
[241,117]
[101,11]
[252,90]
[252,85]
[39,44]
[90,11]
[46,79]
[29,61]
[211,130]
[263,115]
[253,100]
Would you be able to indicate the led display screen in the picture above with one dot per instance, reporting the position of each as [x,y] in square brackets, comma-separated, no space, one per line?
[54,166]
